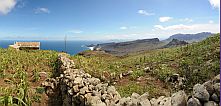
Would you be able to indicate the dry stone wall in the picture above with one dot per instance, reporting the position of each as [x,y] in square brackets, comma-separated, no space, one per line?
[77,88]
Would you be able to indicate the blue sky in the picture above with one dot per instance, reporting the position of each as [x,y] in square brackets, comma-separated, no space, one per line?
[106,19]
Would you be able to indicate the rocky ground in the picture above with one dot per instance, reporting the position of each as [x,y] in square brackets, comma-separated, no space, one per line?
[74,87]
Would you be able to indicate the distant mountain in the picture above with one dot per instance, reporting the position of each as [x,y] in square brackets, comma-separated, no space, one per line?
[190,37]
[174,43]
[136,46]
[123,48]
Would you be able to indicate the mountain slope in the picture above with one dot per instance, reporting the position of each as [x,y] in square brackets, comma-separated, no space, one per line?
[190,37]
[175,43]
[124,48]
[196,63]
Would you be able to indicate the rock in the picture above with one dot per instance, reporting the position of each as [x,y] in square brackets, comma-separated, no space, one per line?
[135,96]
[124,101]
[161,101]
[127,73]
[134,102]
[193,102]
[200,92]
[96,101]
[209,87]
[175,77]
[103,97]
[153,102]
[121,76]
[111,90]
[158,101]
[87,76]
[215,98]
[96,93]
[43,75]
[70,92]
[144,103]
[116,97]
[216,79]
[78,80]
[166,102]
[144,96]
[210,103]
[83,90]
[75,89]
[179,99]
[216,87]
[91,87]
[147,69]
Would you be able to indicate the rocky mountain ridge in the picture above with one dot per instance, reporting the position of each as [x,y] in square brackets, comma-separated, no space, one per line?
[190,37]
[128,47]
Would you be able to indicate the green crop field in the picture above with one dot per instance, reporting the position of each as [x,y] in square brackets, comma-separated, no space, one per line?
[19,75]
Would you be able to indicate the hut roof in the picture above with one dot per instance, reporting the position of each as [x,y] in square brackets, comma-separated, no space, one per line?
[27,44]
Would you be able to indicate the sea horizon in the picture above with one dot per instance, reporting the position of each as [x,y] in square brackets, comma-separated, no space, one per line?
[72,46]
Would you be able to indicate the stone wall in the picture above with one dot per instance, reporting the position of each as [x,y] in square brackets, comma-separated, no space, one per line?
[76,88]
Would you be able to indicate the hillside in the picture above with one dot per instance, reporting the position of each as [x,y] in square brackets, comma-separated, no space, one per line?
[190,37]
[175,43]
[138,46]
[124,48]
[160,72]
[149,71]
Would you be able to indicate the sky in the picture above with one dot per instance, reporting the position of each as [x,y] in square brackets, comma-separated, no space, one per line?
[106,19]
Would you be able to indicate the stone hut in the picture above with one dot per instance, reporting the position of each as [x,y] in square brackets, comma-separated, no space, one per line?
[26,45]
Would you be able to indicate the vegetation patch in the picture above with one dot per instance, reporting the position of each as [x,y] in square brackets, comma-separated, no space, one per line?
[19,71]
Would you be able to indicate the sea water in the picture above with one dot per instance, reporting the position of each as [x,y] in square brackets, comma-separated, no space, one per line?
[72,47]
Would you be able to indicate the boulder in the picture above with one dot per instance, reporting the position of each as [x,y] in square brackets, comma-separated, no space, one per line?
[111,90]
[153,102]
[96,101]
[144,96]
[135,96]
[179,99]
[216,87]
[209,87]
[200,92]
[165,102]
[215,98]
[210,103]
[145,102]
[78,80]
[193,102]
[124,101]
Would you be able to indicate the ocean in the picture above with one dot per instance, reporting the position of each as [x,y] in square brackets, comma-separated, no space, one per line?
[72,47]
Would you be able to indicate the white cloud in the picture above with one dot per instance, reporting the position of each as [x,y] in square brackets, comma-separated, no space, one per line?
[211,21]
[129,36]
[6,6]
[215,3]
[188,20]
[41,10]
[123,28]
[173,27]
[144,12]
[128,27]
[166,31]
[165,19]
[76,31]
